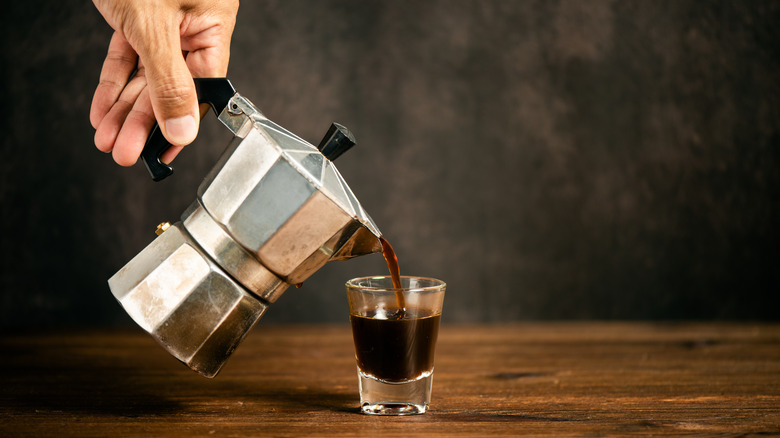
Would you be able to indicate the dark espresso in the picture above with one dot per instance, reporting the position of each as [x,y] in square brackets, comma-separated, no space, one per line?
[406,348]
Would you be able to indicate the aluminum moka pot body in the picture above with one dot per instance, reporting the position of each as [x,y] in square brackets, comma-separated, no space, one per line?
[271,212]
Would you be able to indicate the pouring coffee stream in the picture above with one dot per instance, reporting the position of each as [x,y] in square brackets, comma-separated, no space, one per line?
[395,274]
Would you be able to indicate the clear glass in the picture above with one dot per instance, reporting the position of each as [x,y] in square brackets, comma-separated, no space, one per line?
[395,332]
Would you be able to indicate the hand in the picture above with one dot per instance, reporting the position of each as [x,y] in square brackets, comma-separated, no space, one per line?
[157,48]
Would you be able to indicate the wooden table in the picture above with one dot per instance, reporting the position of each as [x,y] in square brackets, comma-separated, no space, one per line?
[560,379]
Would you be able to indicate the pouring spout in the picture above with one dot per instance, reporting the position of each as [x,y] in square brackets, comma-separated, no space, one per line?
[363,241]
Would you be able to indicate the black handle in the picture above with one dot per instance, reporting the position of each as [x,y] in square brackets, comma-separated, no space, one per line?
[214,91]
[337,140]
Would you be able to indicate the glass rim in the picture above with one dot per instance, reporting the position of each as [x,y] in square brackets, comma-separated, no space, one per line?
[438,286]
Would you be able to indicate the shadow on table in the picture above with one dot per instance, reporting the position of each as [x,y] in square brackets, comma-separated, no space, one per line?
[309,399]
[105,379]
[35,379]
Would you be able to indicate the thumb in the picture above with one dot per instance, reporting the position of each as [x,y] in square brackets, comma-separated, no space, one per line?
[171,89]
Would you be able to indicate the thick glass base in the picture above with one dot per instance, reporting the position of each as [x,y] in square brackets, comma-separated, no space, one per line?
[394,398]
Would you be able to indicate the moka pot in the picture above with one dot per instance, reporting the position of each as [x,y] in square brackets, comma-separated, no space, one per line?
[272,211]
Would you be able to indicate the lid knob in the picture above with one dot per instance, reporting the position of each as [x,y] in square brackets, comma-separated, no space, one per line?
[337,140]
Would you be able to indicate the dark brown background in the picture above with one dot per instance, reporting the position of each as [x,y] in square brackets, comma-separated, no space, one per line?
[548,159]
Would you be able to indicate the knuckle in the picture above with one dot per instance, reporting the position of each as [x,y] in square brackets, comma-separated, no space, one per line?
[173,95]
[121,58]
[140,115]
[111,85]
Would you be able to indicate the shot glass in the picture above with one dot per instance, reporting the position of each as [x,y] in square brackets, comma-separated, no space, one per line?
[395,333]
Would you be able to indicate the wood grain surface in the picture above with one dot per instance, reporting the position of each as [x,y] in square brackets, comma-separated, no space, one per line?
[560,379]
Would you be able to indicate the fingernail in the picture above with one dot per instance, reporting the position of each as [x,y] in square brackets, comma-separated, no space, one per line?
[181,130]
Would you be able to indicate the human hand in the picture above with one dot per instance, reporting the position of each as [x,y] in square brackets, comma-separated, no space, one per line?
[157,48]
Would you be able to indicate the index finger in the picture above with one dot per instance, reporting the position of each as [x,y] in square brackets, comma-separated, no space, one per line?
[121,61]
